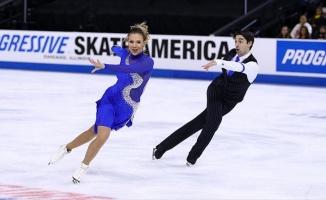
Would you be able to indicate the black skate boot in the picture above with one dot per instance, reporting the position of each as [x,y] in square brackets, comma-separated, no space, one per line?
[191,159]
[158,152]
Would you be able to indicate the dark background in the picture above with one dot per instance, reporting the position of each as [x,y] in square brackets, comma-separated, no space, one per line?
[177,17]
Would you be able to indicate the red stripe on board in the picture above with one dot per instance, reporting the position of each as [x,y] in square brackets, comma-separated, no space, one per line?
[16,191]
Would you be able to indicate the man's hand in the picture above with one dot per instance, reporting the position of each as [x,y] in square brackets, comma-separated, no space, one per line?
[217,62]
[208,65]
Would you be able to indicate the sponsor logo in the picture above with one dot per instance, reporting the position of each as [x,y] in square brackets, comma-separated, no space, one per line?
[33,43]
[80,47]
[301,56]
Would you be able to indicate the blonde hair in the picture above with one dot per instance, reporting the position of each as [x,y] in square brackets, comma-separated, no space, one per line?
[141,29]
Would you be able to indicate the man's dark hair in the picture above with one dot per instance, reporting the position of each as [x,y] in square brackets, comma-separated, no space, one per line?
[248,35]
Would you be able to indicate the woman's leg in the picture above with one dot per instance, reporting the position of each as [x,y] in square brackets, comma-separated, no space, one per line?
[94,147]
[81,139]
[102,136]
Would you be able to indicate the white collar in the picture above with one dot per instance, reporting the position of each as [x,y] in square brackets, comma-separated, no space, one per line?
[242,57]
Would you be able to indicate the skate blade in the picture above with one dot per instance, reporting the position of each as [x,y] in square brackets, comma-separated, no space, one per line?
[50,162]
[153,155]
[189,164]
[75,181]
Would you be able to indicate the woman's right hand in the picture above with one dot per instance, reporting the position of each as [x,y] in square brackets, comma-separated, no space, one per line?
[97,64]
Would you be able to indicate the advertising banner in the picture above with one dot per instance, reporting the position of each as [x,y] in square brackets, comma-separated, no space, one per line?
[281,61]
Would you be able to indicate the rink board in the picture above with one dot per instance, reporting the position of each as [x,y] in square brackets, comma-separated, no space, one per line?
[297,62]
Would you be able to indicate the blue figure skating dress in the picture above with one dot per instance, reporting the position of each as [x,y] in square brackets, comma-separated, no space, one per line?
[119,103]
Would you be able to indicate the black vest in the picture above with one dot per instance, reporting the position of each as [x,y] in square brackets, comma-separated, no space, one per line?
[232,89]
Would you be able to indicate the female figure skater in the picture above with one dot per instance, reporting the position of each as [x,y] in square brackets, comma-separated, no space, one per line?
[119,103]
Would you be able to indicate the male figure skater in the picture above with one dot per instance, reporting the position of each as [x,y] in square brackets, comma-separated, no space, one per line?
[239,70]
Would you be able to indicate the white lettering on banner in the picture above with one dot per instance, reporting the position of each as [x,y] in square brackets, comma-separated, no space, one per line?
[298,56]
[305,57]
[318,59]
[33,43]
[288,55]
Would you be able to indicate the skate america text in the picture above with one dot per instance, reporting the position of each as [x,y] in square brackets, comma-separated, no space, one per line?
[165,48]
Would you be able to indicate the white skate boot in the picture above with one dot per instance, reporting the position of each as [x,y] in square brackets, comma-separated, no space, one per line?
[59,154]
[79,173]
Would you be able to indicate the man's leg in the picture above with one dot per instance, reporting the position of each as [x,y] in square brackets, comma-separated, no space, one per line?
[216,109]
[180,135]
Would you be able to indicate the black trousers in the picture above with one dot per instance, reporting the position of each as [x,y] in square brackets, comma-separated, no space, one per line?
[208,121]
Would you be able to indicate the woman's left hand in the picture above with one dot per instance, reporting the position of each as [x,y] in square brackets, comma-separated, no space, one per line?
[97,64]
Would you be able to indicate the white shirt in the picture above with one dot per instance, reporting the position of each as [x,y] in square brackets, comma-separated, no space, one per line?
[250,68]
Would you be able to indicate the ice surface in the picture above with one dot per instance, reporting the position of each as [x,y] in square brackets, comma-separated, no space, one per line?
[271,146]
